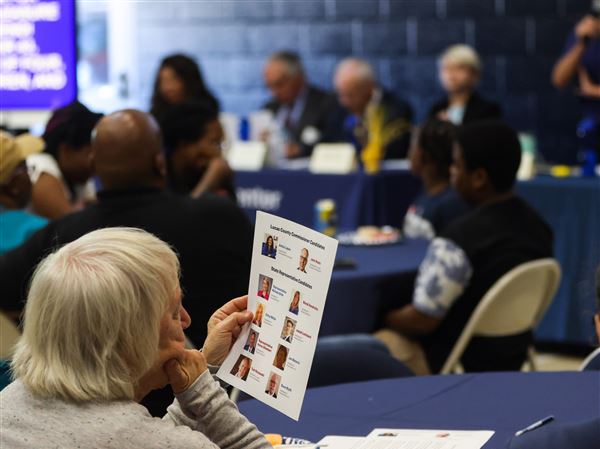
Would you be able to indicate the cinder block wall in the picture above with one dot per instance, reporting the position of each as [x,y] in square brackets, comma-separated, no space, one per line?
[519,40]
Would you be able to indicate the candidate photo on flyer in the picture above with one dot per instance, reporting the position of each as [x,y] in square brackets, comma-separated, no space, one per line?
[280,357]
[269,246]
[241,369]
[295,304]
[265,283]
[289,327]
[273,384]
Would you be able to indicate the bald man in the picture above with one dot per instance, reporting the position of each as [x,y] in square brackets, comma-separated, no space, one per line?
[378,123]
[212,236]
[307,114]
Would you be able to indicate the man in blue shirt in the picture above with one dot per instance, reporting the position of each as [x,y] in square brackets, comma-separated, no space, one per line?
[16,225]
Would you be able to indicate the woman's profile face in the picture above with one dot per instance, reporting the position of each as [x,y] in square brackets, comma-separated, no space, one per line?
[173,323]
[259,313]
[265,285]
[296,301]
[270,241]
[171,86]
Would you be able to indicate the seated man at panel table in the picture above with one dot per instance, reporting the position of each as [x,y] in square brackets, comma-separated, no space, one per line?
[211,235]
[307,114]
[378,123]
[469,256]
[582,435]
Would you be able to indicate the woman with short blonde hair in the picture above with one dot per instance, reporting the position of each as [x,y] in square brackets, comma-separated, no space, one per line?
[103,326]
[460,70]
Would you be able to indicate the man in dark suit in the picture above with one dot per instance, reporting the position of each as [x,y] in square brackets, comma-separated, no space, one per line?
[308,115]
[460,72]
[378,123]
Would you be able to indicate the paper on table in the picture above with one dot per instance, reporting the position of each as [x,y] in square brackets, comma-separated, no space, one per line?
[410,439]
[429,439]
[289,278]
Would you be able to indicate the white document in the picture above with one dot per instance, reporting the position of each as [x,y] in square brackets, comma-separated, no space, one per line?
[261,123]
[334,442]
[247,156]
[289,279]
[428,439]
[333,158]
[411,439]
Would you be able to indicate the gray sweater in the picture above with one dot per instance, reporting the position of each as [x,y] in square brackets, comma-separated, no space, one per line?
[202,417]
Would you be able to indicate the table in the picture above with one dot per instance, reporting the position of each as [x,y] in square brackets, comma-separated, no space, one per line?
[572,209]
[504,402]
[570,206]
[362,199]
[357,296]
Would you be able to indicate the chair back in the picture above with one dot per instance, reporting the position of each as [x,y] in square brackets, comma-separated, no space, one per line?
[591,362]
[516,303]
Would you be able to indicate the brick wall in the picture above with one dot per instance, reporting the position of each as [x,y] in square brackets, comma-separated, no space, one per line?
[519,41]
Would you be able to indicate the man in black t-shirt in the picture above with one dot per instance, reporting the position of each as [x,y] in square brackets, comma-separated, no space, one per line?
[469,256]
[212,236]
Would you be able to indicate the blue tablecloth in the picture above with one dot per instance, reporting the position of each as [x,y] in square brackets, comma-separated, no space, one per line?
[503,402]
[357,295]
[572,208]
[380,199]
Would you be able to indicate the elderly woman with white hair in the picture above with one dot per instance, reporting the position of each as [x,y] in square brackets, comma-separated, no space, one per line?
[103,326]
[460,71]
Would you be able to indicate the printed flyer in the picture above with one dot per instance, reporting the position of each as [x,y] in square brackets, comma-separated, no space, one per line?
[289,279]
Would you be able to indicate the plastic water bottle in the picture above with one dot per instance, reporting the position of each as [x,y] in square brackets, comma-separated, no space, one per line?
[244,129]
[326,217]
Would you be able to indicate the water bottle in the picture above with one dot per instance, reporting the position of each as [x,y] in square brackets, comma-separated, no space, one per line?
[326,217]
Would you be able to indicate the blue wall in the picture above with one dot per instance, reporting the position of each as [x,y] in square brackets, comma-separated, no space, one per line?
[519,41]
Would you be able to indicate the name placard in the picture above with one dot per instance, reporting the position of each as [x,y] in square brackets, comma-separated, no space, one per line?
[333,158]
[247,156]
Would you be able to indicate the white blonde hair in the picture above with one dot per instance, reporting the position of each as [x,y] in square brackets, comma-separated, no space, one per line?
[92,318]
[463,55]
[357,68]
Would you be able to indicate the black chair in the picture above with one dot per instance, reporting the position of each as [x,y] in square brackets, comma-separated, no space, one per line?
[353,358]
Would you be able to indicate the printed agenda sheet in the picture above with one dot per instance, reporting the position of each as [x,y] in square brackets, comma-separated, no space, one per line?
[289,279]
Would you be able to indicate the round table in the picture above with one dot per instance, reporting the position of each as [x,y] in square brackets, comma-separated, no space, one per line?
[357,295]
[503,402]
